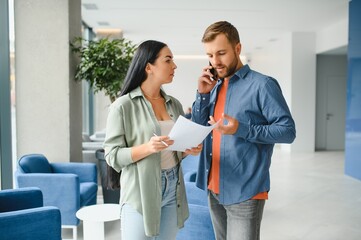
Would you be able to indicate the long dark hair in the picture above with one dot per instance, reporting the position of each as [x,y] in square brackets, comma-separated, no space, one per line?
[147,52]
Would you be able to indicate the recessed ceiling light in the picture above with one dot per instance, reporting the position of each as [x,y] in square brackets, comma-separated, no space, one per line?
[109,32]
[90,6]
[103,23]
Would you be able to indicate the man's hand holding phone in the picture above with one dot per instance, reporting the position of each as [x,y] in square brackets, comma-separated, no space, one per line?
[207,81]
[212,70]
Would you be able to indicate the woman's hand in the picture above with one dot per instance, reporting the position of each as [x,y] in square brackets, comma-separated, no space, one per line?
[159,143]
[194,151]
[155,144]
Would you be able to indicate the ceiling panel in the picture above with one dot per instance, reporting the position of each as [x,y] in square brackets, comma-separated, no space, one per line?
[181,24]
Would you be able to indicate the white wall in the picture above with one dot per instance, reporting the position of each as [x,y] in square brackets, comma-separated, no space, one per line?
[304,90]
[101,104]
[334,36]
[185,82]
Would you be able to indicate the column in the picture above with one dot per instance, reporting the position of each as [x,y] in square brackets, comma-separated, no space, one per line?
[5,112]
[48,109]
[303,89]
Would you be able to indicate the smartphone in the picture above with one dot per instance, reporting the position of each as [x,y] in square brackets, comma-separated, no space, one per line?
[213,71]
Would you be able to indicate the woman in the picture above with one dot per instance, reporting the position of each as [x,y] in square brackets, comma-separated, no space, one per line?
[153,199]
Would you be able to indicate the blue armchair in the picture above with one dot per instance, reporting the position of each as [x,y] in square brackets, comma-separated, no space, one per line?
[190,163]
[199,225]
[68,186]
[22,216]
[190,167]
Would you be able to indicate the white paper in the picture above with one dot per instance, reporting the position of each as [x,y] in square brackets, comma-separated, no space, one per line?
[187,134]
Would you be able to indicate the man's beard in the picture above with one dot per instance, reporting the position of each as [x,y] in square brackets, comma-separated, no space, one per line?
[232,68]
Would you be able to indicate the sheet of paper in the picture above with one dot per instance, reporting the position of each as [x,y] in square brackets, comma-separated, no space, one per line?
[187,134]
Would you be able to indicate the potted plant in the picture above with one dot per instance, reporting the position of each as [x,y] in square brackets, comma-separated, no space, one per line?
[104,64]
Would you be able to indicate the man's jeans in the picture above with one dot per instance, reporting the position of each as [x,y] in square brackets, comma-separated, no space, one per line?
[240,221]
[132,227]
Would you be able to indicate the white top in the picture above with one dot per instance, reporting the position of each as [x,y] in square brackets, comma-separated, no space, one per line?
[167,157]
[99,212]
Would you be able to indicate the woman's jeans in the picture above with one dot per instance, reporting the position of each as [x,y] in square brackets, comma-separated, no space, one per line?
[240,221]
[132,227]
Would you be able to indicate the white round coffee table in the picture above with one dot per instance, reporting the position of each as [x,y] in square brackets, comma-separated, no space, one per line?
[94,217]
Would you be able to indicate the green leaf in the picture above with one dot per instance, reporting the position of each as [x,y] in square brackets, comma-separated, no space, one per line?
[103,63]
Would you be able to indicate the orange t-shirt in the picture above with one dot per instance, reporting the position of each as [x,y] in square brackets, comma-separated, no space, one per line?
[213,181]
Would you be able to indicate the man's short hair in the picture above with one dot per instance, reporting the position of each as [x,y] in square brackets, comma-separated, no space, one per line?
[220,27]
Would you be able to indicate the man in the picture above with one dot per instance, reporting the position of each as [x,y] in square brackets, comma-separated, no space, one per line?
[234,164]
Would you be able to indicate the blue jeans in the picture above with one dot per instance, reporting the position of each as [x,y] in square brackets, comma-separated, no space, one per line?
[240,221]
[132,227]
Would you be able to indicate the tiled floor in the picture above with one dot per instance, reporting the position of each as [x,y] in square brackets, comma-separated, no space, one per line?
[310,199]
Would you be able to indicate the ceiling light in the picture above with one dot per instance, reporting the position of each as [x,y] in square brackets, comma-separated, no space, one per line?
[103,23]
[115,33]
[90,6]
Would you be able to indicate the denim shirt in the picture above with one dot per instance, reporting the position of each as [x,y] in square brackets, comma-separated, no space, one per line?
[132,122]
[256,101]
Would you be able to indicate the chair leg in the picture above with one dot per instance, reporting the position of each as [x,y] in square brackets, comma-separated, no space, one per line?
[75,232]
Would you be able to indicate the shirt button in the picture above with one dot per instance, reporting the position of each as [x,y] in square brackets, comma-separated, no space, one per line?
[204,98]
[199,97]
[178,205]
[197,110]
[210,154]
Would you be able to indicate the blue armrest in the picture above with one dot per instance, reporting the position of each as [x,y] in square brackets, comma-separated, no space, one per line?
[19,199]
[22,216]
[190,176]
[196,195]
[190,163]
[87,172]
[43,223]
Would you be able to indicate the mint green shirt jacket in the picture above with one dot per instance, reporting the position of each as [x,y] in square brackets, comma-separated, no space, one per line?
[132,122]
